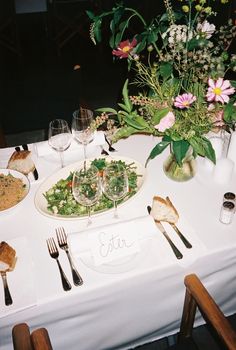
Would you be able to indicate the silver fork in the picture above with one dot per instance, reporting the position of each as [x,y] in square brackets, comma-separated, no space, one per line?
[62,241]
[53,251]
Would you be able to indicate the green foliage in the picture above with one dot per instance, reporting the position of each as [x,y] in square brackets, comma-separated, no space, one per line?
[158,149]
[173,56]
[202,146]
[180,149]
[166,70]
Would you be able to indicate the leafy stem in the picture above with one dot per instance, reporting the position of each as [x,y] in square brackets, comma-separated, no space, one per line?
[137,14]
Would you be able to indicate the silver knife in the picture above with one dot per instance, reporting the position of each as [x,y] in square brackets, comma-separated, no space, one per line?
[159,225]
[181,236]
[178,254]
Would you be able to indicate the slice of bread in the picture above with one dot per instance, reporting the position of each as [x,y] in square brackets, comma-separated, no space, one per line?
[21,161]
[163,210]
[7,257]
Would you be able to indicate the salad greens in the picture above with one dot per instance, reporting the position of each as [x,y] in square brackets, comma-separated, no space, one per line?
[61,201]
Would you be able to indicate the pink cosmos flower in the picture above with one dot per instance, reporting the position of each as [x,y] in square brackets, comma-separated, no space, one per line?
[166,122]
[124,48]
[184,100]
[218,91]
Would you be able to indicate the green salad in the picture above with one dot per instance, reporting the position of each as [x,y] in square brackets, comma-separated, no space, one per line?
[60,200]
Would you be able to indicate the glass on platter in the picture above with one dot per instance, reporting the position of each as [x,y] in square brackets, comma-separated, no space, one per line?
[59,137]
[86,187]
[81,127]
[115,183]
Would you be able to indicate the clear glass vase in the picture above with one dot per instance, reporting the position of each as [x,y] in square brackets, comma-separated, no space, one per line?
[181,173]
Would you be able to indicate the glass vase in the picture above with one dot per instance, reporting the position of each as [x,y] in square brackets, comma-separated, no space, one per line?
[183,172]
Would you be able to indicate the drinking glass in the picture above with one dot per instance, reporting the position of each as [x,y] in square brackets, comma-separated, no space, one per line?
[59,137]
[86,187]
[81,127]
[115,183]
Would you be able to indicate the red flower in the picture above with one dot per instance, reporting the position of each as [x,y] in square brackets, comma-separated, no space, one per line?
[124,48]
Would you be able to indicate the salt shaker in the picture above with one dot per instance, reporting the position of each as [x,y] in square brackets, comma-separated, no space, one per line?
[227,212]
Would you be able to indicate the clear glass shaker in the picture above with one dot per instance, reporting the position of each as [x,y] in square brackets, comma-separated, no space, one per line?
[227,212]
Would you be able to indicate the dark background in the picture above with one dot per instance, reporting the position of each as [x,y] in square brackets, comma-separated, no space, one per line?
[39,83]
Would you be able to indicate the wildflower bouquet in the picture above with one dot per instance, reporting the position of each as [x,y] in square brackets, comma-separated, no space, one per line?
[180,60]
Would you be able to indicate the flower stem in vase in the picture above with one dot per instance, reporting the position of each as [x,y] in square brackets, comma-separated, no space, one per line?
[178,172]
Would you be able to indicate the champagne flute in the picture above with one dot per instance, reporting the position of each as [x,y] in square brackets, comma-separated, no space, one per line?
[86,187]
[115,183]
[59,137]
[81,127]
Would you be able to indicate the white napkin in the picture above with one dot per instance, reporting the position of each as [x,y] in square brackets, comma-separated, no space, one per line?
[150,240]
[43,148]
[20,280]
[189,254]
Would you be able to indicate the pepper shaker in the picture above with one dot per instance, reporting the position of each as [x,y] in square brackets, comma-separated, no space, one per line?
[229,196]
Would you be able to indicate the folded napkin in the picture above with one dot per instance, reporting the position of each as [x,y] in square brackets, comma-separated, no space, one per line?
[43,148]
[150,241]
[20,280]
[189,255]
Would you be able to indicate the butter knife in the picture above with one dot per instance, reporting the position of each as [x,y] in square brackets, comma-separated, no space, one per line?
[159,225]
[7,294]
[181,236]
[35,171]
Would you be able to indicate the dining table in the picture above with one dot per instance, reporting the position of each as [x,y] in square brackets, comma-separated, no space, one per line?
[131,299]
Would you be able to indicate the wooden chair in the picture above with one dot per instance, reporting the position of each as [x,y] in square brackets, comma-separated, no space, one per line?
[23,340]
[196,296]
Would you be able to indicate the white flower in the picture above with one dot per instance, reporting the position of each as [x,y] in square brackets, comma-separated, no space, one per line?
[178,37]
[206,29]
[171,40]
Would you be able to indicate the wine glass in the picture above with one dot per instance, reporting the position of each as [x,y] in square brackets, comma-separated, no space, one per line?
[86,187]
[59,137]
[81,127]
[115,183]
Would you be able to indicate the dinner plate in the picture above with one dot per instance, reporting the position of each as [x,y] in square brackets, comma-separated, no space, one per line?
[41,202]
[25,181]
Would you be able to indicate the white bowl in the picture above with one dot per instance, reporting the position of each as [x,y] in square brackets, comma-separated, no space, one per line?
[25,181]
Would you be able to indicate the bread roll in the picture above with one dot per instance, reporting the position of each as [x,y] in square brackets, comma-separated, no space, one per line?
[21,161]
[7,257]
[163,210]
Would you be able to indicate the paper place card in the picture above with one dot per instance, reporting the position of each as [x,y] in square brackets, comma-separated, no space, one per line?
[109,243]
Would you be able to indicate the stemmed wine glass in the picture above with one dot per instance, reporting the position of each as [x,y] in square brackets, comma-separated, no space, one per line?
[115,183]
[81,127]
[59,137]
[86,187]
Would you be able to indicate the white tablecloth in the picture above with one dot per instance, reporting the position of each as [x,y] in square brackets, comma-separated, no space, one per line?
[120,310]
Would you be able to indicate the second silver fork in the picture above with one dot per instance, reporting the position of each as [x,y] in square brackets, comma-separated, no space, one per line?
[53,251]
[62,242]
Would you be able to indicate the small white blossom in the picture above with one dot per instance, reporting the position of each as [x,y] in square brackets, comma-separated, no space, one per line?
[206,29]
